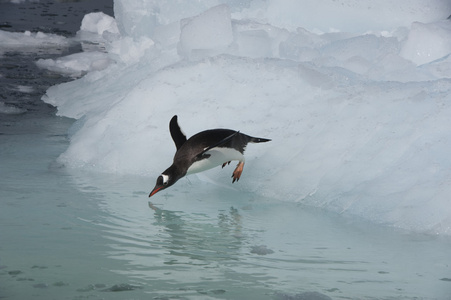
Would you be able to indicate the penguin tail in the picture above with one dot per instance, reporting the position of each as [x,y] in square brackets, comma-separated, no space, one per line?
[258,140]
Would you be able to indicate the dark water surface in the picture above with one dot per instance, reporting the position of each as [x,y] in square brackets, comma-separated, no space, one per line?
[22,83]
[59,17]
[68,234]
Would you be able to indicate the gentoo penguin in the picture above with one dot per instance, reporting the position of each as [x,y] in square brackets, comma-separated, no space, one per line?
[203,151]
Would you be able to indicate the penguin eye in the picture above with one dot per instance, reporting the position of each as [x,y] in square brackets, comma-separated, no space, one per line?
[165,179]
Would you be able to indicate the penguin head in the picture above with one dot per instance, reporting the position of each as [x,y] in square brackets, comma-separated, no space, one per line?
[165,180]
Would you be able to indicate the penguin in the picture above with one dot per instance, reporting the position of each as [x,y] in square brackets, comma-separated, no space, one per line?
[203,151]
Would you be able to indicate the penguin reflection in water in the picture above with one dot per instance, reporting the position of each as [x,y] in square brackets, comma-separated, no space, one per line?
[203,151]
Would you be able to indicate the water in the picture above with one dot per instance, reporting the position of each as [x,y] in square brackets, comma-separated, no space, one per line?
[68,234]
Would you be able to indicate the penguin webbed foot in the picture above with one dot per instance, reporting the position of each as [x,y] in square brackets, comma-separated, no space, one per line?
[224,164]
[237,172]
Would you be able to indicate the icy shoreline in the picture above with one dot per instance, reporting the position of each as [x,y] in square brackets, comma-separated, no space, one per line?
[359,120]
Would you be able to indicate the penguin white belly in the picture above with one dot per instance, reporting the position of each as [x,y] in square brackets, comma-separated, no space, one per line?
[218,156]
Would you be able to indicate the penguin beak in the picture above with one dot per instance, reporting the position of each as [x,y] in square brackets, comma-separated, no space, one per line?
[155,190]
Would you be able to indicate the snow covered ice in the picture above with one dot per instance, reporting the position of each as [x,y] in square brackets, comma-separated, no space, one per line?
[359,113]
[30,40]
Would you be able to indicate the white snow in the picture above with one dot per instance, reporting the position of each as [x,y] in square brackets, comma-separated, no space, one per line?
[77,64]
[355,95]
[30,41]
[209,31]
[427,42]
[99,23]
[353,16]
[97,29]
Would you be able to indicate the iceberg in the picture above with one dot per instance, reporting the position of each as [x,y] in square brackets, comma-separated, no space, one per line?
[357,106]
[32,41]
[75,65]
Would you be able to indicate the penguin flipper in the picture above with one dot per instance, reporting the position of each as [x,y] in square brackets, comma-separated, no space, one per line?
[221,142]
[176,133]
